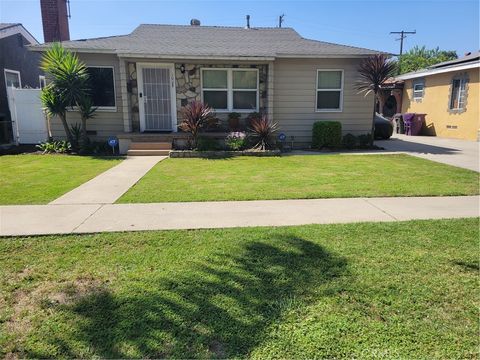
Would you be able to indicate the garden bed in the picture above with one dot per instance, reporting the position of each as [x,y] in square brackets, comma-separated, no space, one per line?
[218,154]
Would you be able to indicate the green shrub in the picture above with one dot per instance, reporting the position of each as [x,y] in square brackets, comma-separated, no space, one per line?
[326,134]
[59,147]
[235,140]
[349,141]
[207,144]
[364,140]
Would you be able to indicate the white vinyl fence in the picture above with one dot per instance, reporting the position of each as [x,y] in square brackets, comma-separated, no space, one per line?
[28,120]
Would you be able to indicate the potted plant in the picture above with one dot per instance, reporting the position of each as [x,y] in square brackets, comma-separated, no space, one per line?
[234,121]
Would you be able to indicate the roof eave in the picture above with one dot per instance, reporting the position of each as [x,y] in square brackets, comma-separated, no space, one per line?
[414,75]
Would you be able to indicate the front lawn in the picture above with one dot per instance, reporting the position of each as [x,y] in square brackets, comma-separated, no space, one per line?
[39,179]
[372,290]
[300,177]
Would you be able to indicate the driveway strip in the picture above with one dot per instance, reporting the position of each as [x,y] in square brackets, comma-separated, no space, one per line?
[110,185]
[66,219]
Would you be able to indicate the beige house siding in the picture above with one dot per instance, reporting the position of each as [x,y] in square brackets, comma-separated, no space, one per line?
[294,98]
[105,123]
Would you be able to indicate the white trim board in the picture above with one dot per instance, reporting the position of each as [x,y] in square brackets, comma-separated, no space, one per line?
[429,72]
[18,29]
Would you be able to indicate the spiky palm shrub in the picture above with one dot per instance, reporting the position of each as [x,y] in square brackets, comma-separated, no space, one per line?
[195,116]
[373,72]
[67,82]
[262,132]
[87,111]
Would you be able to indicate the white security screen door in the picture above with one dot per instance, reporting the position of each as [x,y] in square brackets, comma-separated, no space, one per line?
[156,97]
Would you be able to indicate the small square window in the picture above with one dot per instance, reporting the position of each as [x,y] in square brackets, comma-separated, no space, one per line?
[418,90]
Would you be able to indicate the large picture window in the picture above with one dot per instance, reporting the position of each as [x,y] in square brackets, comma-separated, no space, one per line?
[329,90]
[230,89]
[102,86]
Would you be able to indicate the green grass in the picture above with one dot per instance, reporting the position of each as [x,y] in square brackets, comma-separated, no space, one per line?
[372,290]
[39,179]
[300,177]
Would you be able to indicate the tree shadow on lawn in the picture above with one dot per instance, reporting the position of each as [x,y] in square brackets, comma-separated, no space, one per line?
[219,309]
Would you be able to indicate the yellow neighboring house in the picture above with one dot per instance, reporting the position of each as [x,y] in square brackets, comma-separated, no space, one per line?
[448,93]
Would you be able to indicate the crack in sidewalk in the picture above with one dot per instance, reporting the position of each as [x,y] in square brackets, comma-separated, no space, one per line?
[87,218]
[379,208]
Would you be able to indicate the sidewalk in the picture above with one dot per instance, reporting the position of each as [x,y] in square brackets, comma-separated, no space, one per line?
[67,219]
[110,185]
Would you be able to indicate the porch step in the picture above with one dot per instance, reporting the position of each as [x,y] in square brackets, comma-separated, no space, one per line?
[148,152]
[144,145]
[145,148]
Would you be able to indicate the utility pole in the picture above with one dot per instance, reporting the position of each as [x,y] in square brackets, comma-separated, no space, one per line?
[280,20]
[403,35]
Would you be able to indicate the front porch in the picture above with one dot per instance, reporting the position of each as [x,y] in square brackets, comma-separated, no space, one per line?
[153,92]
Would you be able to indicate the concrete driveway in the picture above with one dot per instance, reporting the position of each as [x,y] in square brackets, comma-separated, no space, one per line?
[461,153]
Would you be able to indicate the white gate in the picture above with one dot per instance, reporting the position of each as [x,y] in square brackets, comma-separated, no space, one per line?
[28,120]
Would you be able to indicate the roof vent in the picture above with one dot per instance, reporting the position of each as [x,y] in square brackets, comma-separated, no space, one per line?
[195,22]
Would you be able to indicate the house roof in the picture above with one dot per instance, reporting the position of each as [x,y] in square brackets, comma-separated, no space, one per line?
[212,41]
[469,61]
[9,29]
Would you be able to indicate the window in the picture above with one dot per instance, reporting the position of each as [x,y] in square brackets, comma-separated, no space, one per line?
[418,89]
[42,82]
[12,78]
[215,88]
[329,90]
[102,86]
[458,94]
[230,89]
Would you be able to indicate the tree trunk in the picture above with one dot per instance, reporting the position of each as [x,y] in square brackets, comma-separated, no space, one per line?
[84,138]
[63,118]
[372,133]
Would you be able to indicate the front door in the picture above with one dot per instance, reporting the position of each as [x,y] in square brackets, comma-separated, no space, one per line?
[156,97]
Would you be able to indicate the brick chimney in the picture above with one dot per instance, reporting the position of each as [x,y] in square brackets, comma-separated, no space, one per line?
[55,20]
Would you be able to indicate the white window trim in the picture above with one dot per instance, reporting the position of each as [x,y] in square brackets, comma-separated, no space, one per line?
[108,108]
[42,79]
[230,89]
[418,94]
[464,82]
[340,109]
[5,71]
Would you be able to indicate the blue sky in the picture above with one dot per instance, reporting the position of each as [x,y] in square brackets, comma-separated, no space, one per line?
[451,25]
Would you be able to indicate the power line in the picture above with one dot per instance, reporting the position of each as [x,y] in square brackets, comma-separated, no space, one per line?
[403,35]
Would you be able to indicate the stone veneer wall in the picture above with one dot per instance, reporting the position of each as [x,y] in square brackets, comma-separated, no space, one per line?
[188,87]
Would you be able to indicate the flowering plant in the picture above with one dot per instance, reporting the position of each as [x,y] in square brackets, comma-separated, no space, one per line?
[235,140]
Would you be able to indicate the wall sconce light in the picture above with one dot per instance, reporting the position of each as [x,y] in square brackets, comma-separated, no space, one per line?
[182,68]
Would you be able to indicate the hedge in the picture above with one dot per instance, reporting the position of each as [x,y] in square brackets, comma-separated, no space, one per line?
[327,134]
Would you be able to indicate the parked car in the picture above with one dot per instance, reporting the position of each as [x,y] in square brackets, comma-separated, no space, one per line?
[383,128]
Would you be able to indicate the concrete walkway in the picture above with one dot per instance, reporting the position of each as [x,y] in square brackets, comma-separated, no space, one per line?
[107,187]
[461,153]
[66,219]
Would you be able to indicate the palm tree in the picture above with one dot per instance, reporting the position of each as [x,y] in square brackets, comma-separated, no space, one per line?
[374,71]
[67,83]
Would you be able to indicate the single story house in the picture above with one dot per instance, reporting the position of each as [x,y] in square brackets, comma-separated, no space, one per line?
[18,68]
[448,93]
[143,79]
